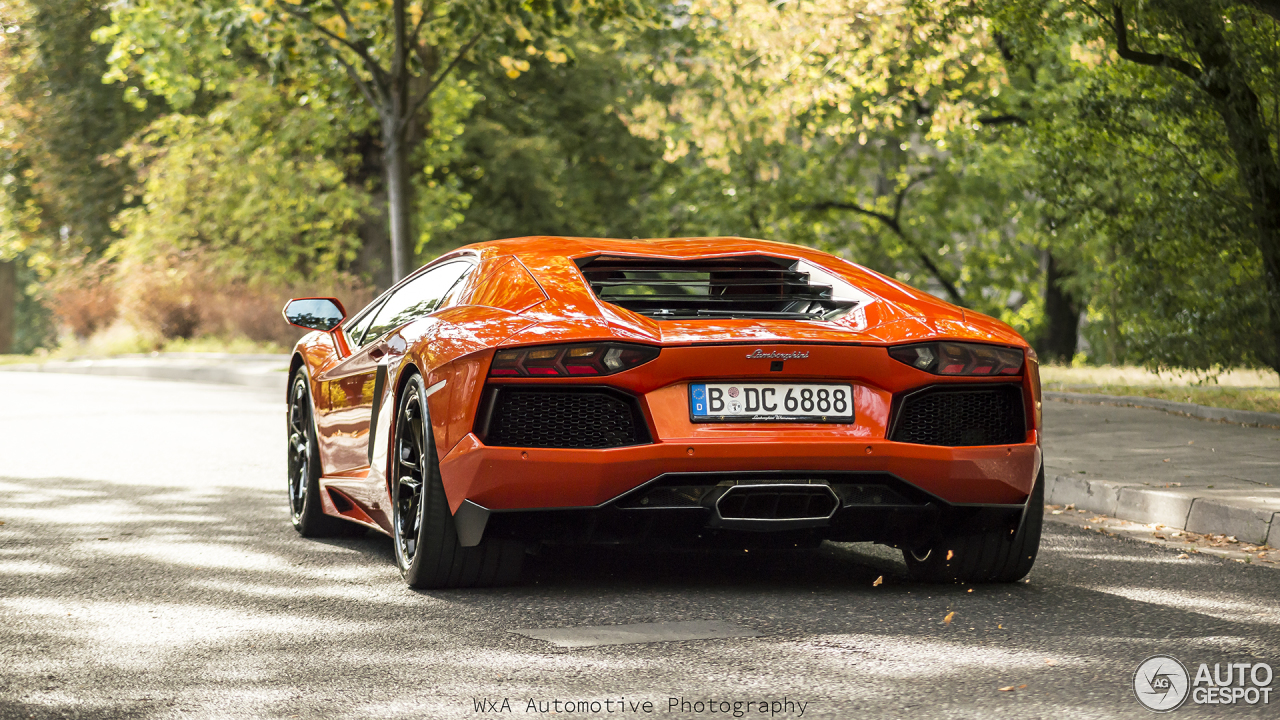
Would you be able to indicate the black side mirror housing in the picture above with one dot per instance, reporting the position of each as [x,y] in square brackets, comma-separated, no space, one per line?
[322,314]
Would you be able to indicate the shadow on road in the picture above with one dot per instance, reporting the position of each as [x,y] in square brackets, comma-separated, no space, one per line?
[141,601]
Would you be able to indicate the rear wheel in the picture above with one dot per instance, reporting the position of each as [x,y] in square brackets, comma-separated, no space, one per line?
[304,469]
[997,555]
[426,541]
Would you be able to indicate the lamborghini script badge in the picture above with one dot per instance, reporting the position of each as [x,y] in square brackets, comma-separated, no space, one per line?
[762,355]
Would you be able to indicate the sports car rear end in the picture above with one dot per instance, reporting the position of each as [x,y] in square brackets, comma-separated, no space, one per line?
[742,392]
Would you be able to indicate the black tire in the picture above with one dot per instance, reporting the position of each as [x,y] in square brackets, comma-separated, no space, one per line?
[304,468]
[994,556]
[426,541]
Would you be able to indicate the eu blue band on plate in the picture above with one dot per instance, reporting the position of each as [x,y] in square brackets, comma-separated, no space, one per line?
[699,399]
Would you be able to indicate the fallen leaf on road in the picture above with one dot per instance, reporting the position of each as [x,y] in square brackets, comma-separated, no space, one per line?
[1158,536]
[1184,556]
[949,617]
[999,627]
[1021,687]
[879,581]
[1056,512]
[1006,689]
[1166,459]
[1071,506]
[1050,662]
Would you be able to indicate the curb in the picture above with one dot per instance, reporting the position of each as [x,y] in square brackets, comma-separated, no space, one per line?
[1241,516]
[258,371]
[1204,412]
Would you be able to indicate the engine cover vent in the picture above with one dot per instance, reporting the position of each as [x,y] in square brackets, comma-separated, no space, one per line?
[752,286]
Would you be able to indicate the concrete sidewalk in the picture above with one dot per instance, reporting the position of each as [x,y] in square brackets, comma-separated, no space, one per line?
[1150,466]
[1131,463]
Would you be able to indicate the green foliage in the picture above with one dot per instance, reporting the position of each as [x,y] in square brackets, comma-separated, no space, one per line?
[1140,184]
[809,122]
[33,324]
[58,126]
[256,187]
[545,153]
[442,199]
[951,145]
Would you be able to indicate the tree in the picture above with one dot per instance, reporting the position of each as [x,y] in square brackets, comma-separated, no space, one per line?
[546,153]
[1185,89]
[59,185]
[834,121]
[396,54]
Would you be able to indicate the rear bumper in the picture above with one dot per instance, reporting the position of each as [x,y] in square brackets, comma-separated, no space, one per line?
[509,479]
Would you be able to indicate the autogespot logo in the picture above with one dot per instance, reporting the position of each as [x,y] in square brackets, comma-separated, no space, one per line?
[1162,683]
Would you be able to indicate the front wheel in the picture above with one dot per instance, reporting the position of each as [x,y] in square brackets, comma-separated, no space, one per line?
[991,556]
[304,469]
[426,541]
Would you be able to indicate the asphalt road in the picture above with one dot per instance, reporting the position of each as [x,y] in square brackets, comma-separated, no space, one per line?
[147,569]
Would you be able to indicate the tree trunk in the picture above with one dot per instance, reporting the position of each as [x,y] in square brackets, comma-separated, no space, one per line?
[8,303]
[1063,314]
[399,196]
[1238,106]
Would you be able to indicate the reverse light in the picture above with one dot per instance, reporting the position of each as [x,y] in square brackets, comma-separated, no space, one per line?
[570,360]
[953,358]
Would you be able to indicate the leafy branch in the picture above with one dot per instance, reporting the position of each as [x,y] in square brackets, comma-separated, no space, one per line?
[893,221]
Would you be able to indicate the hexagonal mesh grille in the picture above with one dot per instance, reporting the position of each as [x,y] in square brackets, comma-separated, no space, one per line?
[563,419]
[986,416]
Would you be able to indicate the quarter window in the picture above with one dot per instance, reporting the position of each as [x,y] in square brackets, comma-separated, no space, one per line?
[418,298]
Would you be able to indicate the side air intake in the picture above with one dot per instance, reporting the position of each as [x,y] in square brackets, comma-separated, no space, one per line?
[753,286]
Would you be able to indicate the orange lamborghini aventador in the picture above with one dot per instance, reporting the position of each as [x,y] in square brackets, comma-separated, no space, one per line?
[690,391]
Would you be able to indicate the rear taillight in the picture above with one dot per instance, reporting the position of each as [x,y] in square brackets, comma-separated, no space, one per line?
[952,358]
[570,360]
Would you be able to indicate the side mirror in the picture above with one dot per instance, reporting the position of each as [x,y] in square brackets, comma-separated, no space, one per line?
[314,313]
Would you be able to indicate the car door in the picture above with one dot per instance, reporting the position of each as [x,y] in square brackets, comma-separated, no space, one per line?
[352,385]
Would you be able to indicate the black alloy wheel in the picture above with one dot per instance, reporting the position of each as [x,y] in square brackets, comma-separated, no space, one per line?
[426,541]
[408,469]
[304,468]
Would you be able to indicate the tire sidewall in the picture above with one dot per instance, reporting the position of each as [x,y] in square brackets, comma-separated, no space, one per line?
[311,511]
[1023,547]
[411,569]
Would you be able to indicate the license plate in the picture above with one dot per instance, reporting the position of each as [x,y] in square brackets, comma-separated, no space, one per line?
[770,402]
